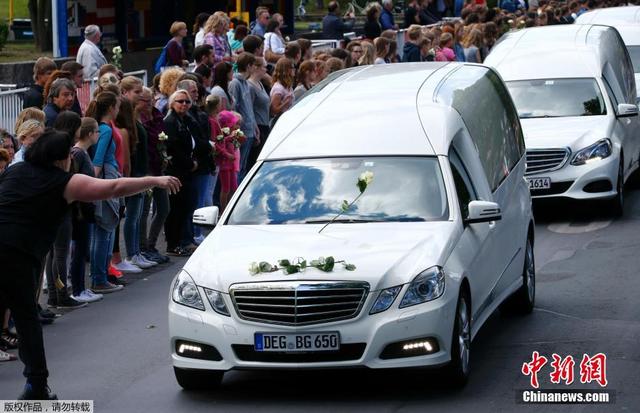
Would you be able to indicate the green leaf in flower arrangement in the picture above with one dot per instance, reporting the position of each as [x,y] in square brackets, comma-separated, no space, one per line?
[292,269]
[284,263]
[328,264]
[303,264]
[349,267]
[345,206]
[315,263]
[362,185]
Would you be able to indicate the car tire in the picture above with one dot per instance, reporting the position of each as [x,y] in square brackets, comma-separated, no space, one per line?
[195,379]
[617,203]
[524,299]
[457,371]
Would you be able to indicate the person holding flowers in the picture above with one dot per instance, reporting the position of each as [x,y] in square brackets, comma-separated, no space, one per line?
[227,144]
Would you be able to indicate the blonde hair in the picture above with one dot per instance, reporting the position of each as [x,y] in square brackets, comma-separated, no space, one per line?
[27,127]
[129,83]
[30,113]
[215,20]
[368,55]
[176,27]
[212,102]
[169,80]
[282,72]
[473,38]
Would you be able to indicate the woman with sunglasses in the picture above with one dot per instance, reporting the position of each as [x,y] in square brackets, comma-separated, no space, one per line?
[182,133]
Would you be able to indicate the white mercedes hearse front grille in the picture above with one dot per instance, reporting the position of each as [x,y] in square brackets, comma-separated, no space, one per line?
[299,302]
[546,160]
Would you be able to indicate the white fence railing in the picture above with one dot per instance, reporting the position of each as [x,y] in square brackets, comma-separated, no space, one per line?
[10,107]
[11,99]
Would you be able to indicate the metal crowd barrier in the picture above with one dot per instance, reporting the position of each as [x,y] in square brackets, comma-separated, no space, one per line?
[11,98]
[10,107]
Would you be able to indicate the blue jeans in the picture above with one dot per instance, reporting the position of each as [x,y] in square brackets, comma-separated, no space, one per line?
[149,233]
[101,248]
[204,185]
[245,150]
[131,228]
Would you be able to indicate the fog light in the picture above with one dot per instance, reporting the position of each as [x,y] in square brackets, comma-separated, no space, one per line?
[199,351]
[410,348]
[423,344]
[189,348]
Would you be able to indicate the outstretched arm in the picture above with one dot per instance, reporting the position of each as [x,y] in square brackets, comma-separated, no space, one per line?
[87,189]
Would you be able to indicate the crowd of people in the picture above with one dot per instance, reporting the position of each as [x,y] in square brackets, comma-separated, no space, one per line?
[204,120]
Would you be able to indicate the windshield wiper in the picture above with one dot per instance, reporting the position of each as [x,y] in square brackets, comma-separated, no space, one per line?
[341,221]
[541,116]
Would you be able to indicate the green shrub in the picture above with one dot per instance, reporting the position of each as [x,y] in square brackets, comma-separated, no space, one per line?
[4,32]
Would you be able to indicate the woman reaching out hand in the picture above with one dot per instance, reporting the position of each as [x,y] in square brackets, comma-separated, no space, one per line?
[35,195]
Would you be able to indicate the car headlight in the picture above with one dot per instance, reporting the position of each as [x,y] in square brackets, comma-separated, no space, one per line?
[385,299]
[216,299]
[427,286]
[595,152]
[185,292]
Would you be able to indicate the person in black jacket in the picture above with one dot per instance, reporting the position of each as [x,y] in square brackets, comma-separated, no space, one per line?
[334,27]
[372,28]
[411,50]
[182,132]
[42,69]
[202,177]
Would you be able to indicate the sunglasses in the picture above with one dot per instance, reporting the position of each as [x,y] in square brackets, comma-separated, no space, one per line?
[183,101]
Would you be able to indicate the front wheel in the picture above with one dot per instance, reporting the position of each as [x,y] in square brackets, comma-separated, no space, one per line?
[459,368]
[193,379]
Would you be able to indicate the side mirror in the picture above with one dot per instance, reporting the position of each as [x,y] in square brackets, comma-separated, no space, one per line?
[206,217]
[483,211]
[626,110]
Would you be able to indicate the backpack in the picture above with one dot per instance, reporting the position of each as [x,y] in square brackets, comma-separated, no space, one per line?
[162,60]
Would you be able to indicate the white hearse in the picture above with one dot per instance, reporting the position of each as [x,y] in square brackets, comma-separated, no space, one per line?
[574,89]
[440,233]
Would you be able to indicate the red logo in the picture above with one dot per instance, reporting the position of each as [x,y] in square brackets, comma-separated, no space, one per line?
[591,369]
[594,369]
[532,368]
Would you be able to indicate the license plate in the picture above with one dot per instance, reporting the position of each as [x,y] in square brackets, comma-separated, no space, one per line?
[295,342]
[539,183]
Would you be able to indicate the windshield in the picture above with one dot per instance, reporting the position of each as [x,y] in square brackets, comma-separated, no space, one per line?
[312,191]
[634,53]
[557,98]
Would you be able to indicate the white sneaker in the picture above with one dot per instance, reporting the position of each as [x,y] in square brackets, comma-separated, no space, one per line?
[138,262]
[87,297]
[127,266]
[143,259]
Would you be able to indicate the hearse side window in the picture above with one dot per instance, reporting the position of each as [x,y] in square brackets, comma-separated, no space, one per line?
[479,97]
[464,188]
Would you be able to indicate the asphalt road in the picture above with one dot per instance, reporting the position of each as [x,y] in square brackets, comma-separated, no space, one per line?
[116,352]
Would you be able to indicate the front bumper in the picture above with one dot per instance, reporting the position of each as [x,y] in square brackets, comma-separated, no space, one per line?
[363,338]
[594,180]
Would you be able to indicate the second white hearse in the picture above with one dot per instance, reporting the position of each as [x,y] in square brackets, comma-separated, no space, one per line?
[387,217]
[575,92]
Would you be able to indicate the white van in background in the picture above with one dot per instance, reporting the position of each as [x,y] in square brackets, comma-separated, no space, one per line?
[575,92]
